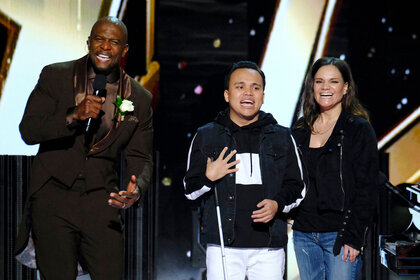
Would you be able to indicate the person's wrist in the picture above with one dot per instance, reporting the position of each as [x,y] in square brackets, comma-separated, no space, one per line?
[207,182]
[75,114]
[138,191]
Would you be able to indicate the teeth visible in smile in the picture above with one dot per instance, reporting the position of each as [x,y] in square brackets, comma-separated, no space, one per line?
[247,102]
[326,94]
[103,57]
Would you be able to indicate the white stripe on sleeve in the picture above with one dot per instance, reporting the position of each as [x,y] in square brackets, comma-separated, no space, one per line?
[295,204]
[195,194]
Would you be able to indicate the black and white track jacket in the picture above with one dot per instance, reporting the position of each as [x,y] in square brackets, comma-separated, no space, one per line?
[279,172]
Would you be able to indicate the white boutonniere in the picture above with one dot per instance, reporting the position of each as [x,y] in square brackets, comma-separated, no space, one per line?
[123,107]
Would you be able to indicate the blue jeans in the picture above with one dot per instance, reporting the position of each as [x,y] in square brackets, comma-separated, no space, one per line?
[316,260]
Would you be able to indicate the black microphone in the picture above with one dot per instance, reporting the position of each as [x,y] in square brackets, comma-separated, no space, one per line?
[383,181]
[99,84]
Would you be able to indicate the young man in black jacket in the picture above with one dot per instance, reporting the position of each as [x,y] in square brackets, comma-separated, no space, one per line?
[253,163]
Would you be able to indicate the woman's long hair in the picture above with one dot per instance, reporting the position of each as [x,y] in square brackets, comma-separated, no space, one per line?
[350,103]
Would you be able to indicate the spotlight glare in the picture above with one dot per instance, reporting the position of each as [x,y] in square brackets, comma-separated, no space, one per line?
[182,64]
[404,101]
[216,43]
[198,90]
[166,181]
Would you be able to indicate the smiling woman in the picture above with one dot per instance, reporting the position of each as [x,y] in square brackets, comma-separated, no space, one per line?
[338,147]
[329,88]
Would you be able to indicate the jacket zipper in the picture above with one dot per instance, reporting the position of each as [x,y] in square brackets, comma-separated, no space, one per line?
[233,144]
[341,171]
[364,241]
[260,152]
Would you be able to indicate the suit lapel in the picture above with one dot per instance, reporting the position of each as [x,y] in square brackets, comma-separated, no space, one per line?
[124,90]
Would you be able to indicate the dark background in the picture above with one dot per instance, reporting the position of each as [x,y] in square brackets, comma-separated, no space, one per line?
[379,39]
[195,44]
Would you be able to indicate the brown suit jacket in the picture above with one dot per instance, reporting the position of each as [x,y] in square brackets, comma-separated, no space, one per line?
[62,154]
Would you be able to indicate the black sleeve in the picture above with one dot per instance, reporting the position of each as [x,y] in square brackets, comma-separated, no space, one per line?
[293,188]
[365,165]
[195,181]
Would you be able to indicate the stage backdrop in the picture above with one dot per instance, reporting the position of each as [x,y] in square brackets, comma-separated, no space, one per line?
[51,31]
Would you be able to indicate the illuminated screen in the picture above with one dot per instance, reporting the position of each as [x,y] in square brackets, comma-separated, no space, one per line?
[292,40]
[288,52]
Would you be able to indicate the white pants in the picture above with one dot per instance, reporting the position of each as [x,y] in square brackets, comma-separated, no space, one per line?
[256,263]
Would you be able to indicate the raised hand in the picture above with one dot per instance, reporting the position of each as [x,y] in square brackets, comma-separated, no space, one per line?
[220,167]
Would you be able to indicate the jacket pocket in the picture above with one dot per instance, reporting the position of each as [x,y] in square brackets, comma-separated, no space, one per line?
[276,156]
[213,152]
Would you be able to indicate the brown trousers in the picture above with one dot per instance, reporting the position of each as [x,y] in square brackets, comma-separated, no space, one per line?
[71,225]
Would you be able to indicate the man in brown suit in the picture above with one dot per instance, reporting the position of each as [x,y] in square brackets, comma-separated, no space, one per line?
[74,206]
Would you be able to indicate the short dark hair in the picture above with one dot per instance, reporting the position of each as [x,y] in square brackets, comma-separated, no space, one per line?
[113,20]
[244,64]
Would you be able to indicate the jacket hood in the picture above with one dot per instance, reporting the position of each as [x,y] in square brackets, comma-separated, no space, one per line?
[263,119]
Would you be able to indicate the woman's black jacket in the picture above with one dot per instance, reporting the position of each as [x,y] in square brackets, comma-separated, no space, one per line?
[346,175]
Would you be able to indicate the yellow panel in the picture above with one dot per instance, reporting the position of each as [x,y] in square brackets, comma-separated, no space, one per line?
[404,157]
[151,80]
[292,40]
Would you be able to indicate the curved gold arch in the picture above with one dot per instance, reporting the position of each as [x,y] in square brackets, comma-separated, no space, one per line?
[12,29]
